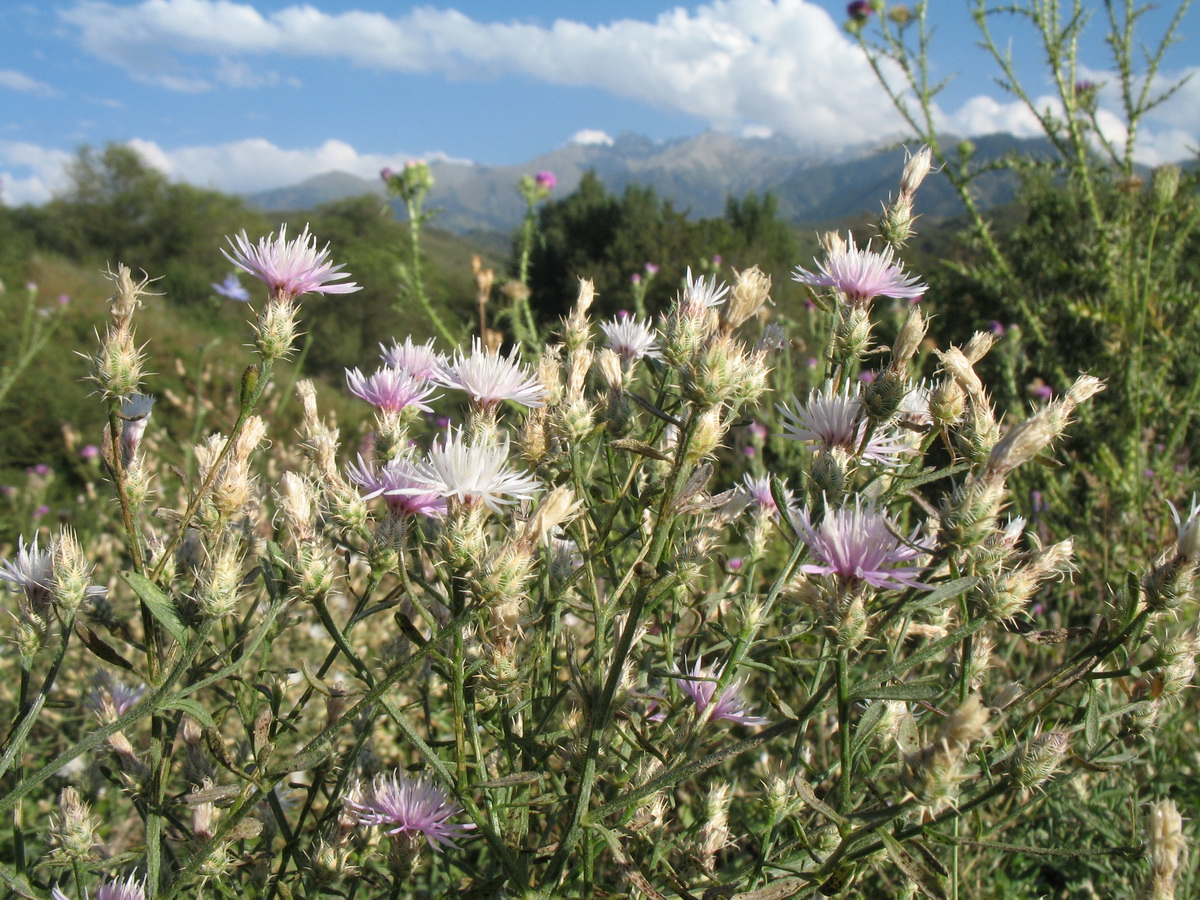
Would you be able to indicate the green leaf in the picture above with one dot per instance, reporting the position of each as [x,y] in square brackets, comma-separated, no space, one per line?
[160,605]
[191,707]
[917,690]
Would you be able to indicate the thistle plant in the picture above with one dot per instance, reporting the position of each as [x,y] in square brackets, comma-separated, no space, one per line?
[412,184]
[568,644]
[1099,276]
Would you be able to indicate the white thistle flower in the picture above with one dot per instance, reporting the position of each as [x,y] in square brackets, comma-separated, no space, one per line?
[472,471]
[489,378]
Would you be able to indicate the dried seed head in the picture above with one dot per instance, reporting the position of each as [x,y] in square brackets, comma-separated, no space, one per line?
[966,726]
[909,338]
[1168,848]
[916,167]
[750,293]
[1023,442]
[977,348]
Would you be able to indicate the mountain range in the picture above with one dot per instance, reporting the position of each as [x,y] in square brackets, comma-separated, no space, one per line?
[697,174]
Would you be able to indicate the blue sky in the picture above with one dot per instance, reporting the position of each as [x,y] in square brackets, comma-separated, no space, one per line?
[250,94]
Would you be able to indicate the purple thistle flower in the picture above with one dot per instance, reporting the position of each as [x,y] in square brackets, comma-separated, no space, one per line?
[129,889]
[490,378]
[700,684]
[412,807]
[836,421]
[391,390]
[546,181]
[418,360]
[232,288]
[858,544]
[397,483]
[289,268]
[859,10]
[88,452]
[862,275]
[32,572]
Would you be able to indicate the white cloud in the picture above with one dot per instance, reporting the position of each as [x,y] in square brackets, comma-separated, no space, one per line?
[257,164]
[590,137]
[783,65]
[31,173]
[19,81]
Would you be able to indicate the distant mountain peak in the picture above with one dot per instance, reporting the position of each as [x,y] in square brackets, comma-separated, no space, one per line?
[698,173]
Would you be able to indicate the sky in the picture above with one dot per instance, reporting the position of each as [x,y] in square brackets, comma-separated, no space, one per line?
[246,95]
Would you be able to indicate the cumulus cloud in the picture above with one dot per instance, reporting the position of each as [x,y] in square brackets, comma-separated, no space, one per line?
[783,65]
[31,173]
[257,164]
[590,137]
[1168,132]
[19,81]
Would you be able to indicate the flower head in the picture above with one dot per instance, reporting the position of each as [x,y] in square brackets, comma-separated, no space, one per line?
[490,378]
[859,10]
[700,684]
[859,544]
[472,471]
[397,483]
[630,338]
[1187,531]
[32,572]
[415,807]
[835,421]
[758,492]
[700,295]
[391,390]
[129,889]
[862,275]
[418,360]
[546,180]
[232,288]
[289,268]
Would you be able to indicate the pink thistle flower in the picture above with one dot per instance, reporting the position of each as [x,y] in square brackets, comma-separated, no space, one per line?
[490,378]
[289,268]
[700,684]
[472,471]
[836,421]
[758,492]
[547,181]
[630,338]
[411,807]
[418,360]
[863,275]
[129,889]
[859,544]
[391,390]
[397,483]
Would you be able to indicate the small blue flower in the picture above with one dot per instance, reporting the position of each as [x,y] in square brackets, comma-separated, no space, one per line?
[232,288]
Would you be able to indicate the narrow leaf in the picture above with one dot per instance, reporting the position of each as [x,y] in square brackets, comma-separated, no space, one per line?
[160,605]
